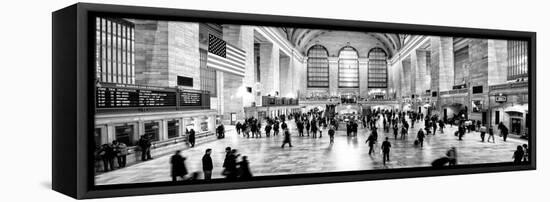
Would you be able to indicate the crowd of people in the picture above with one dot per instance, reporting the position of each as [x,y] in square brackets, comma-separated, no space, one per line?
[233,169]
[312,124]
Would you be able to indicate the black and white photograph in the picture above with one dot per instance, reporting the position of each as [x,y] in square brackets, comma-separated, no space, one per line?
[182,101]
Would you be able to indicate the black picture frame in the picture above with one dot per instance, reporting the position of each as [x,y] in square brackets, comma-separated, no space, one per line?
[73,99]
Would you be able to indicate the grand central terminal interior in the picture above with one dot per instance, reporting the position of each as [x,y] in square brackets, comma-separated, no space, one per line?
[164,86]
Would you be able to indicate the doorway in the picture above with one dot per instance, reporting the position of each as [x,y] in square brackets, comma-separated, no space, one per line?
[515,126]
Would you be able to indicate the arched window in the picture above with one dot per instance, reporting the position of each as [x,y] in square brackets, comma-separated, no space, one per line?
[348,68]
[317,67]
[378,68]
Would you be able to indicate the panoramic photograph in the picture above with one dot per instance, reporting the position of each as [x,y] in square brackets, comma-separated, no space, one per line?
[196,101]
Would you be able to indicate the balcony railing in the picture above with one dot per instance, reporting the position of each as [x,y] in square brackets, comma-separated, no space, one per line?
[278,101]
[505,86]
[454,92]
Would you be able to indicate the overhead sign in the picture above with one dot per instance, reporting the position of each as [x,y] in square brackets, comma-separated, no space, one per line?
[501,98]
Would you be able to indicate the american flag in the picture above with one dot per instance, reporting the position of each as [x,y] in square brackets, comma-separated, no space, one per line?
[225,57]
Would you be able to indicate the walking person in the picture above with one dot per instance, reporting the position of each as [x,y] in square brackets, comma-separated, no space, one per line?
[267,130]
[191,137]
[238,128]
[403,132]
[491,134]
[276,128]
[121,153]
[308,126]
[331,132]
[503,131]
[207,165]
[178,166]
[482,131]
[230,165]
[286,139]
[244,169]
[371,140]
[386,145]
[395,131]
[420,137]
[220,130]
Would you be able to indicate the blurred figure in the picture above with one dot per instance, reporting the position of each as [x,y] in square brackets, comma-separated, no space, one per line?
[178,166]
[245,169]
[452,155]
[286,139]
[518,155]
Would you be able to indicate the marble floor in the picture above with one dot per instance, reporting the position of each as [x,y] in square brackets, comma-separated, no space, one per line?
[310,155]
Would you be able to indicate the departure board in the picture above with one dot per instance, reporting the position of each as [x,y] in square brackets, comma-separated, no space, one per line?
[190,99]
[116,97]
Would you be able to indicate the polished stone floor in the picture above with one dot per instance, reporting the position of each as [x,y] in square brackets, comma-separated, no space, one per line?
[310,155]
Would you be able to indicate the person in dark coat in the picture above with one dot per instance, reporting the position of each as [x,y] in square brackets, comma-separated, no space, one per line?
[403,132]
[107,154]
[207,165]
[231,171]
[221,131]
[178,166]
[331,133]
[245,169]
[238,128]
[284,126]
[420,137]
[371,140]
[300,126]
[518,155]
[395,131]
[287,139]
[461,131]
[191,138]
[386,145]
[276,128]
[308,125]
[145,145]
[503,131]
[267,129]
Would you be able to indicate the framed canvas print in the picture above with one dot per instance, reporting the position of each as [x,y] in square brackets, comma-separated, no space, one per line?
[157,100]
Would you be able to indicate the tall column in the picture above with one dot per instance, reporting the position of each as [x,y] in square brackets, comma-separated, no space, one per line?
[414,73]
[243,38]
[363,77]
[269,68]
[165,50]
[406,87]
[163,129]
[422,73]
[285,76]
[183,53]
[442,63]
[333,75]
[498,63]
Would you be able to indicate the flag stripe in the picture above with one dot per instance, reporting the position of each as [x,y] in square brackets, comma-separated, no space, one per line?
[225,57]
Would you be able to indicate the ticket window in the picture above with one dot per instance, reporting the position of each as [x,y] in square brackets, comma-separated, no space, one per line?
[152,131]
[125,134]
[173,129]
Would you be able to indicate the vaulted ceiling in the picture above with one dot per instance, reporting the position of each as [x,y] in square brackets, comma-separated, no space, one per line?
[304,38]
